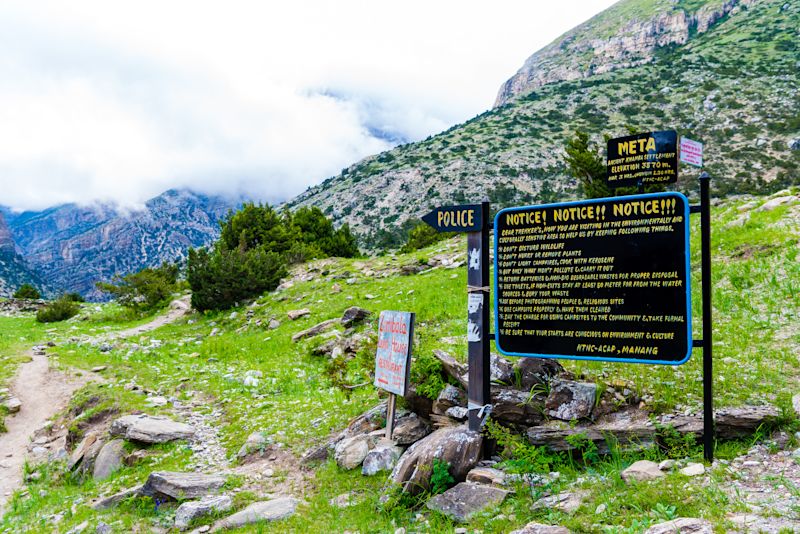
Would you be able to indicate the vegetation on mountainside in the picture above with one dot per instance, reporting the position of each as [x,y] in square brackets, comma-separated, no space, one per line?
[144,291]
[734,88]
[299,398]
[27,291]
[255,247]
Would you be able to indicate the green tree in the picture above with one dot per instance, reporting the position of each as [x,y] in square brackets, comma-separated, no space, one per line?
[149,289]
[27,291]
[253,226]
[586,164]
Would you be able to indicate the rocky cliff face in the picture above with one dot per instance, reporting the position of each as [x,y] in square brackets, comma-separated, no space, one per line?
[14,271]
[72,247]
[580,53]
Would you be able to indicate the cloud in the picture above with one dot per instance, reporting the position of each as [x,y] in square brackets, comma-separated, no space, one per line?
[110,101]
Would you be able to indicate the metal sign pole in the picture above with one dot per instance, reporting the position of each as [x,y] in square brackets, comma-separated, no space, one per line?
[708,377]
[478,393]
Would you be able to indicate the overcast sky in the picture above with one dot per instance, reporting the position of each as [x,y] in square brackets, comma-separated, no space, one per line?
[105,100]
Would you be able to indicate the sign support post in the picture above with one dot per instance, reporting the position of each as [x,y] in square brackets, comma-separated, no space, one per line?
[708,379]
[390,409]
[478,391]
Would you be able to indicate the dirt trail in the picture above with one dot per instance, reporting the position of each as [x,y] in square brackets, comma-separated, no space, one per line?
[44,392]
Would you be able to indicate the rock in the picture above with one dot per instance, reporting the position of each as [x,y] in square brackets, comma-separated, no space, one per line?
[457,445]
[452,367]
[667,465]
[488,476]
[410,429]
[794,144]
[773,203]
[273,510]
[370,297]
[682,525]
[99,368]
[109,459]
[515,406]
[539,528]
[641,471]
[113,500]
[191,510]
[465,499]
[534,371]
[354,315]
[419,404]
[80,451]
[296,314]
[255,441]
[350,452]
[103,528]
[565,501]
[501,370]
[157,401]
[450,396]
[78,528]
[181,486]
[13,405]
[273,324]
[382,458]
[150,429]
[570,400]
[315,330]
[693,470]
[336,288]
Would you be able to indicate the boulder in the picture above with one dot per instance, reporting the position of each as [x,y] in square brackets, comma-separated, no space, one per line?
[296,314]
[539,528]
[189,511]
[150,429]
[419,404]
[315,330]
[13,405]
[464,500]
[487,475]
[373,419]
[501,371]
[109,459]
[113,500]
[182,486]
[255,442]
[682,525]
[570,400]
[273,510]
[534,371]
[773,203]
[452,367]
[566,501]
[641,471]
[86,465]
[693,469]
[80,451]
[382,458]
[456,445]
[515,406]
[450,396]
[354,315]
[350,452]
[410,429]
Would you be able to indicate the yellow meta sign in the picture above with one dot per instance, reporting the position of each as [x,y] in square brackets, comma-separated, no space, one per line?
[466,218]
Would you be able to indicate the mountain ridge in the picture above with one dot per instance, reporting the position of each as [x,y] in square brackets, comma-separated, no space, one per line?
[733,86]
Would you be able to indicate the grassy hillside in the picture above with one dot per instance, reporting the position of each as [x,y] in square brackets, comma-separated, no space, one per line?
[299,399]
[733,87]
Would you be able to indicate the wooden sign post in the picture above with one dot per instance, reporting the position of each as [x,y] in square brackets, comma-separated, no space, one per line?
[393,358]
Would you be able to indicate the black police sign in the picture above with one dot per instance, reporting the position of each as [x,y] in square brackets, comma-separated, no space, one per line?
[466,218]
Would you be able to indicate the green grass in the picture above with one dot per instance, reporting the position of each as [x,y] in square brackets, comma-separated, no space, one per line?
[299,400]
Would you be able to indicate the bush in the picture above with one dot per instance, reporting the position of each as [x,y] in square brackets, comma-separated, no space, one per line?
[74,297]
[421,236]
[221,279]
[146,290]
[60,309]
[27,291]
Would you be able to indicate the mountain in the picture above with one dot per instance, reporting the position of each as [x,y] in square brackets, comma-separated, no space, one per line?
[72,246]
[721,72]
[14,271]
